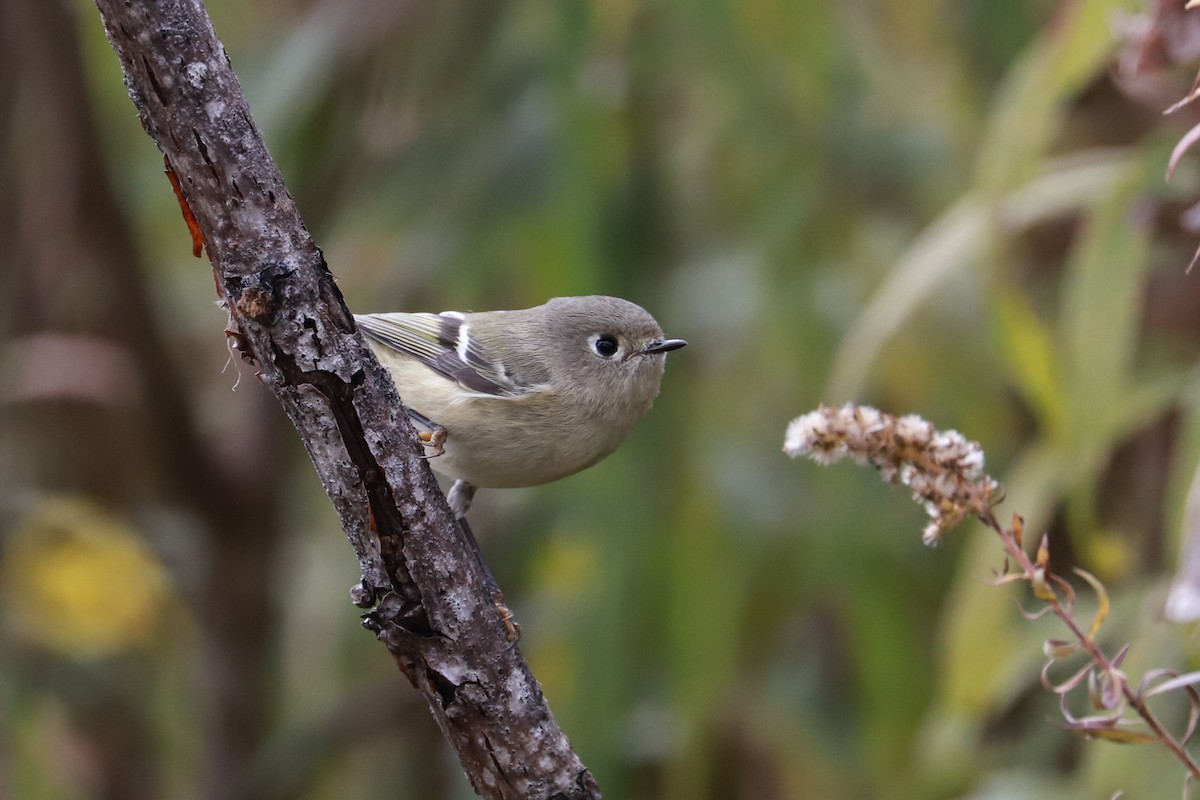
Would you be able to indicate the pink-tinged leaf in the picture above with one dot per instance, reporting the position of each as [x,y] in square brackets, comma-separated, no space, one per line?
[1192,263]
[1032,615]
[1087,724]
[1064,709]
[1120,657]
[1113,684]
[1193,714]
[1102,598]
[1185,143]
[1150,677]
[1106,690]
[1067,590]
[1187,679]
[1066,686]
[1003,580]
[1191,95]
[1187,682]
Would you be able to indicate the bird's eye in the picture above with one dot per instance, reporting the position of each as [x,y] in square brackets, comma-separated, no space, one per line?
[605,345]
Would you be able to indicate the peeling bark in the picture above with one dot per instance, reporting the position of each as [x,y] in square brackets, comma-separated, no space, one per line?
[423,589]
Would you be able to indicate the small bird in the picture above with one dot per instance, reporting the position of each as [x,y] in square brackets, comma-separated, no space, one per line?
[520,398]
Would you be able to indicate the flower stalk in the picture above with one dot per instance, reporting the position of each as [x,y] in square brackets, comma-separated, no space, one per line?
[945,473]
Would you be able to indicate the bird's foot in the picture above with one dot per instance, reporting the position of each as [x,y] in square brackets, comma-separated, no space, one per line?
[512,628]
[435,440]
[431,434]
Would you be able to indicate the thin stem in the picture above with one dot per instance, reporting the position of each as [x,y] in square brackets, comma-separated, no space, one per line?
[1018,554]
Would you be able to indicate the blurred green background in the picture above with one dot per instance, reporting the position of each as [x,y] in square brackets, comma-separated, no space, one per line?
[955,209]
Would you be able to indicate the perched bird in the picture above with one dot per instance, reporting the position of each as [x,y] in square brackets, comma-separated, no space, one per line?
[519,398]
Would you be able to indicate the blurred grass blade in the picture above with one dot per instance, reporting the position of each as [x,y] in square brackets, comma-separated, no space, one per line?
[1033,100]
[939,252]
[1101,308]
[950,244]
[1027,346]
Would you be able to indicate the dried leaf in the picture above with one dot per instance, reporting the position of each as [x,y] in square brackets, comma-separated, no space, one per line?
[1067,590]
[1191,95]
[1094,693]
[1059,648]
[1117,735]
[1102,598]
[1043,553]
[1187,682]
[1193,714]
[1187,679]
[1119,659]
[1041,590]
[1106,690]
[1079,724]
[1033,615]
[1066,686]
[1112,685]
[1185,144]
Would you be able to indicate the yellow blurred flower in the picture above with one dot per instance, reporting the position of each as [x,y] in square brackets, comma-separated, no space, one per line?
[78,580]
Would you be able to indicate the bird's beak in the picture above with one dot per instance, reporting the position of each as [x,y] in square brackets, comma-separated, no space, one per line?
[663,346]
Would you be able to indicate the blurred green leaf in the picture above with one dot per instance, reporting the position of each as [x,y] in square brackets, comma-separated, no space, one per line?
[1101,309]
[1031,104]
[952,244]
[1027,345]
[950,209]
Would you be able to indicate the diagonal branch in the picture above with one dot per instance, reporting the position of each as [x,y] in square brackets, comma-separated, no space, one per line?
[426,597]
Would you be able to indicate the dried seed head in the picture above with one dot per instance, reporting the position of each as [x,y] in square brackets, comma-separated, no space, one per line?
[943,469]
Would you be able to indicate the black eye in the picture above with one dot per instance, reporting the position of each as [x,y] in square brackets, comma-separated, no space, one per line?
[605,346]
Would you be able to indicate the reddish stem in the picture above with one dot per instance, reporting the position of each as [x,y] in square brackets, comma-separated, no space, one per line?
[1029,569]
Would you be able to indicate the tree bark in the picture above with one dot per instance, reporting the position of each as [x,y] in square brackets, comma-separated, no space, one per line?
[425,594]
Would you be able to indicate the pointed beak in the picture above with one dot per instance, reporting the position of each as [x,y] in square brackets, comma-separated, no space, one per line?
[663,346]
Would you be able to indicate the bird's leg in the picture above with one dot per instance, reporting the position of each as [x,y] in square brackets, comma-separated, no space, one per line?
[460,497]
[433,436]
[435,439]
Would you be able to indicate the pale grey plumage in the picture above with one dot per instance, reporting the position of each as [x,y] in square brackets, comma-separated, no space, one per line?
[524,397]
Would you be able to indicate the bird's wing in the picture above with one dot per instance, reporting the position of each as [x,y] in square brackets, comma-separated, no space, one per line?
[442,342]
